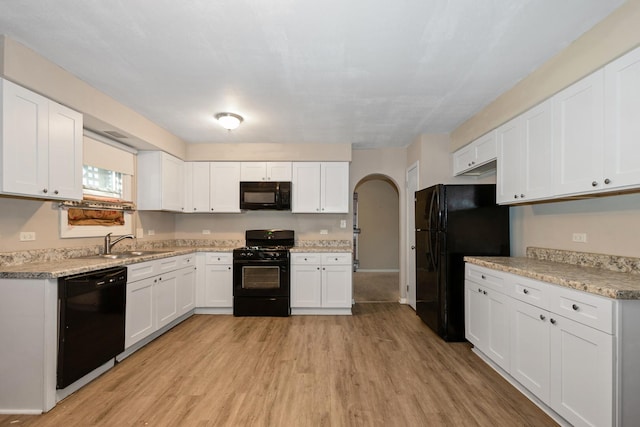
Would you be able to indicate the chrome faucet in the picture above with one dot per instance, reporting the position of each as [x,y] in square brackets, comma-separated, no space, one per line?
[108,244]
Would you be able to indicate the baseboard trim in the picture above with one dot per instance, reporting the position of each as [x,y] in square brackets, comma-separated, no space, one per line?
[376,270]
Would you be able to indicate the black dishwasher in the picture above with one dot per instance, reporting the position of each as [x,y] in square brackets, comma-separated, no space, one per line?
[91,321]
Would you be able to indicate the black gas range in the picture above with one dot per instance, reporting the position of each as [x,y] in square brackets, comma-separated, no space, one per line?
[261,282]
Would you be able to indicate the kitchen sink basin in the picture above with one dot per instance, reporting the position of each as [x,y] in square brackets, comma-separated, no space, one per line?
[124,255]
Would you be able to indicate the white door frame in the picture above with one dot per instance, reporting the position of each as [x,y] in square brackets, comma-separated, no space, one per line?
[410,276]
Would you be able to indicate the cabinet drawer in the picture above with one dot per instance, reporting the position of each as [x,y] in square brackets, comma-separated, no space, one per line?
[487,277]
[588,309]
[305,258]
[219,258]
[531,291]
[187,261]
[336,259]
[141,271]
[168,264]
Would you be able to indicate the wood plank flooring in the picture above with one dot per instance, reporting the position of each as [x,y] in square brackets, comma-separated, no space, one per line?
[371,286]
[380,367]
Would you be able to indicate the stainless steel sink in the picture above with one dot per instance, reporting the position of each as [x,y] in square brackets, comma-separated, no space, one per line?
[124,255]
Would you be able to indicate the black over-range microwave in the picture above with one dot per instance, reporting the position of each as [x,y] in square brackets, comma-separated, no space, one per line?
[265,195]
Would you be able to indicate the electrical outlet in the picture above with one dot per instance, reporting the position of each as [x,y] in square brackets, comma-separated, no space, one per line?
[580,237]
[343,223]
[324,231]
[206,231]
[151,232]
[27,236]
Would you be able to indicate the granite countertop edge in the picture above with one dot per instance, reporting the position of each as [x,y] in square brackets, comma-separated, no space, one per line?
[609,284]
[72,266]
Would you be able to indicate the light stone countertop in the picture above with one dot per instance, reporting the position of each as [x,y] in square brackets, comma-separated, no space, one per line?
[83,264]
[597,281]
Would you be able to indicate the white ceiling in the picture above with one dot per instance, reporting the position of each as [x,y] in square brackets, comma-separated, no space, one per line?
[368,72]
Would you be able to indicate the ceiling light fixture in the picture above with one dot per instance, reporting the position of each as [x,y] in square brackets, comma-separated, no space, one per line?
[229,121]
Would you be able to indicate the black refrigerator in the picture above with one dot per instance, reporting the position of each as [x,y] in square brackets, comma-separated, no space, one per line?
[453,221]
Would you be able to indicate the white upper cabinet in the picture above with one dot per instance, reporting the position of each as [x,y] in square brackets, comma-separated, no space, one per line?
[196,187]
[334,187]
[525,157]
[265,171]
[578,130]
[41,146]
[622,127]
[160,182]
[224,190]
[320,187]
[477,157]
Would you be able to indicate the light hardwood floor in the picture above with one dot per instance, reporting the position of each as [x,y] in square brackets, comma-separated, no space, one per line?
[376,286]
[380,367]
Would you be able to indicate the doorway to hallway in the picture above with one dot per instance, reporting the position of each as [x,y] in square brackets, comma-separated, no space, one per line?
[376,240]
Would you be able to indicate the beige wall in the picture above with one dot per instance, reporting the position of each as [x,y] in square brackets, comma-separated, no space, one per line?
[612,37]
[611,223]
[269,152]
[379,220]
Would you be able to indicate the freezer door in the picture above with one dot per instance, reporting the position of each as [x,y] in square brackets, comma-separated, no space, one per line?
[427,280]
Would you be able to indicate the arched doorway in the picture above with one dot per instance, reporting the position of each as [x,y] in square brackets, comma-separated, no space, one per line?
[376,246]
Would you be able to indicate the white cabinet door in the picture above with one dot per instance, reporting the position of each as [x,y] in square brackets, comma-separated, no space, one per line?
[186,292]
[463,159]
[498,338]
[476,315]
[197,187]
[139,316]
[160,182]
[336,286]
[224,193]
[581,373]
[25,141]
[279,171]
[65,153]
[509,175]
[530,348]
[306,286]
[166,298]
[334,188]
[253,171]
[622,127]
[537,152]
[218,287]
[578,123]
[172,184]
[305,187]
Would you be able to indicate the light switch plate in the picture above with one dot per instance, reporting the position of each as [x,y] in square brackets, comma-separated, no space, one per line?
[324,231]
[343,223]
[27,236]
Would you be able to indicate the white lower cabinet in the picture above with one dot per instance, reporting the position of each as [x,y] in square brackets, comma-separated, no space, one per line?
[216,289]
[158,292]
[581,368]
[139,311]
[321,283]
[564,346]
[488,322]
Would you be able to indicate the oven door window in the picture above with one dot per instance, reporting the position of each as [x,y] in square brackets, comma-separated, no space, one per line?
[254,277]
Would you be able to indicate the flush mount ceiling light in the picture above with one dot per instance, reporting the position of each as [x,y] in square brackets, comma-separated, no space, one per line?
[229,121]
